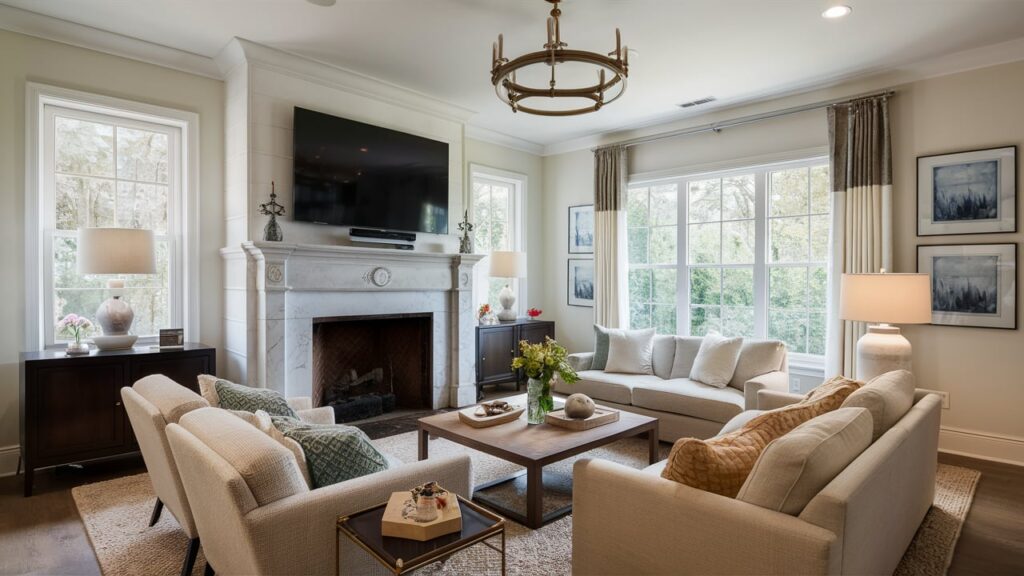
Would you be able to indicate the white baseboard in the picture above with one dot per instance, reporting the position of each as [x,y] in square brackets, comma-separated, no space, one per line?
[9,459]
[983,445]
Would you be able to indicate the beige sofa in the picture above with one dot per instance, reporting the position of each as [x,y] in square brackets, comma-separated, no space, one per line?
[684,408]
[860,523]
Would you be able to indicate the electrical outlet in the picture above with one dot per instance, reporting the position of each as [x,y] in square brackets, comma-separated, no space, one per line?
[944,395]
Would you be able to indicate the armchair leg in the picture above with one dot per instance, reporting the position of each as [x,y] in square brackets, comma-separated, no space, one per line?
[157,509]
[208,571]
[190,557]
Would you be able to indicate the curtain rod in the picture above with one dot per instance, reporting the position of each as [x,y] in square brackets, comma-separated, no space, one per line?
[719,126]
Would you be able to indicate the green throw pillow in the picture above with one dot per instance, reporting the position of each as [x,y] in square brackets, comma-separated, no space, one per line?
[334,452]
[601,341]
[238,397]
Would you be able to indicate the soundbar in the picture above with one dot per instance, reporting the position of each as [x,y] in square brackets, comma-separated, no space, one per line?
[381,234]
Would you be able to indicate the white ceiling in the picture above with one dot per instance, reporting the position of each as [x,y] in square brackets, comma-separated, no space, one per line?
[734,50]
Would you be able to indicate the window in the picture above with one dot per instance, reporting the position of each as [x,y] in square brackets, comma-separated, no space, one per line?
[101,166]
[748,257]
[496,207]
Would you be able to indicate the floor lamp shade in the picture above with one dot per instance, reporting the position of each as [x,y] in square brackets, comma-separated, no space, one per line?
[507,265]
[884,299]
[115,251]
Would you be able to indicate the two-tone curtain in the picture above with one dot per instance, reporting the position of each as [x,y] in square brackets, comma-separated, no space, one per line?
[610,257]
[861,240]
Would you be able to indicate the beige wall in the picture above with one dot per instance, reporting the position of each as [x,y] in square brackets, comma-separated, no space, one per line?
[530,165]
[981,369]
[24,58]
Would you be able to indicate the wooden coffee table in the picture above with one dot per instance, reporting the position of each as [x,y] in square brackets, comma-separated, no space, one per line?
[534,447]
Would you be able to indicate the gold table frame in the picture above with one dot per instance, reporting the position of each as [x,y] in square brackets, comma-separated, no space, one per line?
[404,566]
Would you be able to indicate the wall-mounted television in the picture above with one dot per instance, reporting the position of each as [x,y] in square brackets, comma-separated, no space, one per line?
[349,173]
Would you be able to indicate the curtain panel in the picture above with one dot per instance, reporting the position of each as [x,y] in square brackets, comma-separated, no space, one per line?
[860,162]
[610,257]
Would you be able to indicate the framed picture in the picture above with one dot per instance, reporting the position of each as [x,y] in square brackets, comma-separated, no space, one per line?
[581,282]
[581,229]
[967,192]
[972,284]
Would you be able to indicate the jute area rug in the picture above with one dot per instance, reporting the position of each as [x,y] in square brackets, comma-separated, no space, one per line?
[116,514]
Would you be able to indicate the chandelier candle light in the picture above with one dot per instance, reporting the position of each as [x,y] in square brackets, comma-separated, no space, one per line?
[612,71]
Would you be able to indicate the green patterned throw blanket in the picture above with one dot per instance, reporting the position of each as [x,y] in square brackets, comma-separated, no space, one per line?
[334,452]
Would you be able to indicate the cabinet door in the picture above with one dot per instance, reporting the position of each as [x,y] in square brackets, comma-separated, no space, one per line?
[534,333]
[78,410]
[497,348]
[181,368]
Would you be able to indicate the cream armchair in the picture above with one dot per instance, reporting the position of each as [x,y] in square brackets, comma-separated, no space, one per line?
[156,401]
[256,515]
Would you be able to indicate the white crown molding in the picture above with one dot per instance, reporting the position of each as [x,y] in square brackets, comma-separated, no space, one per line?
[342,78]
[504,140]
[844,84]
[65,32]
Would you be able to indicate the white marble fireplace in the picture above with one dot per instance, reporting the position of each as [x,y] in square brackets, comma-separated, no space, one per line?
[276,290]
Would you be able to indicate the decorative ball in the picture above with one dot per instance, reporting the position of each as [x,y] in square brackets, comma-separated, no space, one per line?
[579,406]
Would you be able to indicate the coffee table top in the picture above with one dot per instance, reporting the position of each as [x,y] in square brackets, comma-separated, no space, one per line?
[519,442]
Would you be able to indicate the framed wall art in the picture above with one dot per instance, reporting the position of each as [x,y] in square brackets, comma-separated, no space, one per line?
[581,229]
[972,284]
[967,192]
[581,282]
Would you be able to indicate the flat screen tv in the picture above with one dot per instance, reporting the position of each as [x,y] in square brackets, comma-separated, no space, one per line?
[348,173]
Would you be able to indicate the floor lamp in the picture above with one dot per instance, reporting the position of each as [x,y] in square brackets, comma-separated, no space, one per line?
[885,299]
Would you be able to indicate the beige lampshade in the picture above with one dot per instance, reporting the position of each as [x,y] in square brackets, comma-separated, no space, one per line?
[508,264]
[116,251]
[888,298]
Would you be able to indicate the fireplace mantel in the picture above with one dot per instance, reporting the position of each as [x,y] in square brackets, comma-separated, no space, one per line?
[274,291]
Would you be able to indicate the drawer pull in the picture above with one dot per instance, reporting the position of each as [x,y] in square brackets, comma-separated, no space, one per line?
[117,403]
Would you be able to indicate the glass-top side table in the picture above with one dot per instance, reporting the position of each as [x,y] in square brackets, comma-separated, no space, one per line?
[402,556]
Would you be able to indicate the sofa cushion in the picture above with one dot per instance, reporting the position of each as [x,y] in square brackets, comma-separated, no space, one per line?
[600,347]
[233,396]
[795,467]
[334,452]
[739,421]
[607,386]
[172,399]
[663,354]
[757,357]
[716,360]
[630,351]
[722,464]
[655,468]
[686,352]
[888,397]
[268,469]
[689,398]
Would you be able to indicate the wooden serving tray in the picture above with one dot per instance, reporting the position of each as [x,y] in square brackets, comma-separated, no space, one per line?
[449,519]
[600,417]
[468,416]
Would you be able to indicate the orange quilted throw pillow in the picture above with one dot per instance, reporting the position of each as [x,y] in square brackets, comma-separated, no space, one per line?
[722,464]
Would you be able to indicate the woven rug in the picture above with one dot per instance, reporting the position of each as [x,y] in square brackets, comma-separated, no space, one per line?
[116,514]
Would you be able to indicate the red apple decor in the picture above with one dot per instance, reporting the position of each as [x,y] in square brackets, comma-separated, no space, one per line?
[534,313]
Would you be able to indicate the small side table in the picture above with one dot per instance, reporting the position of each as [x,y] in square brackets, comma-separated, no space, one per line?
[402,556]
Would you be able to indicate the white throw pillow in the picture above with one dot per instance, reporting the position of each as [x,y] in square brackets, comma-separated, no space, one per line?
[716,360]
[888,397]
[630,351]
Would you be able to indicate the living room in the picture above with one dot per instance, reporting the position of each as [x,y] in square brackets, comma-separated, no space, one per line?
[765,197]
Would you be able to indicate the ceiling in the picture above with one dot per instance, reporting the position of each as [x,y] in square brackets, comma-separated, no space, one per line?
[735,50]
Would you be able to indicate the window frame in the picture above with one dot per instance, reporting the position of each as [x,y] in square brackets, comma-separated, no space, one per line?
[42,102]
[761,171]
[518,184]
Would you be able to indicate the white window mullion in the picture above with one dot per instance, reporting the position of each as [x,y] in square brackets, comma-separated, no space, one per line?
[761,247]
[682,268]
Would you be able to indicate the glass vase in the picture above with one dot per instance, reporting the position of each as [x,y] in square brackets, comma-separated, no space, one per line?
[538,400]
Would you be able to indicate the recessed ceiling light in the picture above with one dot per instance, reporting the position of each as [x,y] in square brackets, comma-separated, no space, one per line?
[837,12]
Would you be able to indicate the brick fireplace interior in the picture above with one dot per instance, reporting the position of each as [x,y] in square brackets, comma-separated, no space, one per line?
[366,365]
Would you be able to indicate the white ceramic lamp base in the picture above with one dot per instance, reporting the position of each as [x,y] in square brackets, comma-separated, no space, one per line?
[115,317]
[508,302]
[883,349]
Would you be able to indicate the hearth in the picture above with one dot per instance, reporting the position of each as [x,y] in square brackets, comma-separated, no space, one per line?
[364,366]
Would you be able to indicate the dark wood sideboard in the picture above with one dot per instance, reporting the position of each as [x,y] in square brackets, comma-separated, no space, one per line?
[498,344]
[71,405]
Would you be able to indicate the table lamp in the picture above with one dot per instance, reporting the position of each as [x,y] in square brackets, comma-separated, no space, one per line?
[507,265]
[115,251]
[884,298]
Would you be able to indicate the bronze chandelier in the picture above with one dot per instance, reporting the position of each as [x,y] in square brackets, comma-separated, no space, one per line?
[555,52]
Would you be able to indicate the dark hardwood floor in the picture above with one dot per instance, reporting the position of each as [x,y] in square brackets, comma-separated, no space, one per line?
[44,535]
